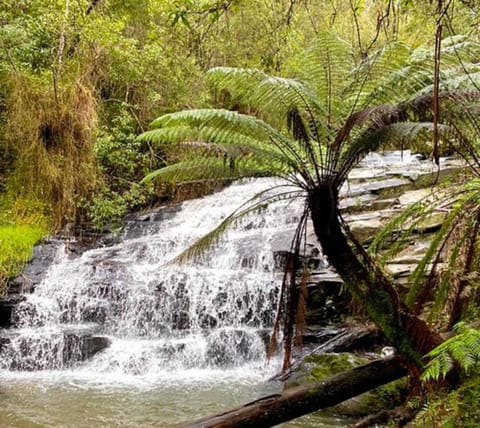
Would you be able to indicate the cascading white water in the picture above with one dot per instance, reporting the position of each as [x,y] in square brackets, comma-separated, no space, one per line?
[160,319]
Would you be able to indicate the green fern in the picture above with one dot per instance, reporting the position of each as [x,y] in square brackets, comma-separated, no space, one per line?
[255,204]
[462,349]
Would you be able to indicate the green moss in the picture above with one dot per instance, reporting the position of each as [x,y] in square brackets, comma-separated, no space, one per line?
[385,397]
[23,222]
[391,394]
[316,367]
[330,364]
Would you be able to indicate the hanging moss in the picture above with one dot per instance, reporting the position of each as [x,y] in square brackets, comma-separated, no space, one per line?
[51,132]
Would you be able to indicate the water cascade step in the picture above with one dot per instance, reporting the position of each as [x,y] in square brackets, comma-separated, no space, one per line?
[127,309]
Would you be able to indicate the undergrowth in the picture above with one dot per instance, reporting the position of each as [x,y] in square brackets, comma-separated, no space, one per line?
[457,409]
[23,223]
[50,131]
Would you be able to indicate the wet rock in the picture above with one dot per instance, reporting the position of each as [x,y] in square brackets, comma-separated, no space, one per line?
[96,314]
[311,262]
[248,261]
[181,320]
[431,222]
[366,203]
[81,345]
[328,301]
[91,345]
[208,321]
[280,259]
[7,306]
[315,334]
[413,196]
[56,350]
[365,229]
[229,347]
[43,256]
[413,253]
[361,339]
[448,171]
[387,188]
[4,342]
[141,224]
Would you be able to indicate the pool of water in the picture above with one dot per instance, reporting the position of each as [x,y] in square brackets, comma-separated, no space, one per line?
[55,399]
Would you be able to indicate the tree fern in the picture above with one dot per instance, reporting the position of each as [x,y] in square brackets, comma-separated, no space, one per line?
[324,67]
[272,96]
[312,130]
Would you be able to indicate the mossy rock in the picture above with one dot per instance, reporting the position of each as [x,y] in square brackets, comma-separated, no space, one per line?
[330,364]
[315,367]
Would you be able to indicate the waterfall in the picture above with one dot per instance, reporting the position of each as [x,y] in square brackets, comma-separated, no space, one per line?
[160,318]
[127,310]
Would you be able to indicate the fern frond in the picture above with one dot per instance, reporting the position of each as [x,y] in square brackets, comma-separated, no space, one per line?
[399,230]
[205,169]
[256,203]
[398,135]
[375,80]
[323,68]
[417,277]
[218,119]
[463,348]
[447,278]
[271,96]
[399,73]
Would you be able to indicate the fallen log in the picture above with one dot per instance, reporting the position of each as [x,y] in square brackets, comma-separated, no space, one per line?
[301,400]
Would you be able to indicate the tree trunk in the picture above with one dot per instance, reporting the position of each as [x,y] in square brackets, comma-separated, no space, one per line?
[301,400]
[366,282]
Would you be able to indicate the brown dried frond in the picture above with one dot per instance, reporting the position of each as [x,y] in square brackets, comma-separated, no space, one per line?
[300,322]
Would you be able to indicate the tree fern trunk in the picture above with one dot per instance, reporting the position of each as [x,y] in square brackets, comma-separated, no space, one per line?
[366,282]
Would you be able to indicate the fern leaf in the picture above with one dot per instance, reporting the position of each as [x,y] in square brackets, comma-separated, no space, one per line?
[256,203]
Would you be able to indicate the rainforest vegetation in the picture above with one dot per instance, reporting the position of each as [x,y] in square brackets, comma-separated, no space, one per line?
[107,107]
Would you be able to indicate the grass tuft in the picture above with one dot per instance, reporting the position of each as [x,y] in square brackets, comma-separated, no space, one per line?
[16,246]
